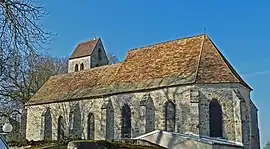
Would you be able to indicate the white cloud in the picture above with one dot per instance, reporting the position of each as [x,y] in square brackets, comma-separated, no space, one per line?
[258,73]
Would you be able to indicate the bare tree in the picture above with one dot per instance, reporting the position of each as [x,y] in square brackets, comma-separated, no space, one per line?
[23,77]
[112,58]
[22,71]
[20,29]
[19,24]
[42,67]
[267,145]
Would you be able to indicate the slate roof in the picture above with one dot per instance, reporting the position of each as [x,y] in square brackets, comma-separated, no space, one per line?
[177,62]
[84,49]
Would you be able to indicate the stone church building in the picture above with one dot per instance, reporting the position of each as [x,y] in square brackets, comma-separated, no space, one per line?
[182,86]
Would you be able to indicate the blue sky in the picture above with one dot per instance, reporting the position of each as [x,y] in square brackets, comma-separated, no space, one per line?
[239,28]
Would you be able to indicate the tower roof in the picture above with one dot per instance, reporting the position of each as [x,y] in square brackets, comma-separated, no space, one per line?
[192,60]
[84,49]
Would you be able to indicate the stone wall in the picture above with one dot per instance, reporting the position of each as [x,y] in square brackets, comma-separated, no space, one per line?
[225,98]
[95,60]
[177,95]
[236,106]
[83,60]
[255,142]
[249,112]
[147,112]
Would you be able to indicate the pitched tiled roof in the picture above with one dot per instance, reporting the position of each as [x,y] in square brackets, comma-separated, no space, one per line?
[84,49]
[183,61]
[214,67]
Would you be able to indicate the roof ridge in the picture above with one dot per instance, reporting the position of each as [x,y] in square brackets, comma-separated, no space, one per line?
[162,42]
[83,42]
[199,61]
[97,41]
[86,70]
[89,40]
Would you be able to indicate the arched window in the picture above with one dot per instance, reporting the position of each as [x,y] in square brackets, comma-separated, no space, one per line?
[126,122]
[147,111]
[99,54]
[82,66]
[91,127]
[109,121]
[71,122]
[60,128]
[76,67]
[215,114]
[46,125]
[169,116]
[75,122]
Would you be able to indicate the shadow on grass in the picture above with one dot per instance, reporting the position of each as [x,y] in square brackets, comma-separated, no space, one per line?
[123,144]
[86,144]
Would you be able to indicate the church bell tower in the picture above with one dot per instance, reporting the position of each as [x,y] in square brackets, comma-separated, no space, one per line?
[89,54]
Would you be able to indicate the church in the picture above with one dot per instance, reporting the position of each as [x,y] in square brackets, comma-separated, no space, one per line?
[183,86]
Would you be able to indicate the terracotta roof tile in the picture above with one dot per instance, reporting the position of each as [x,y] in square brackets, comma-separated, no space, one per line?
[84,49]
[214,68]
[174,58]
[183,61]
